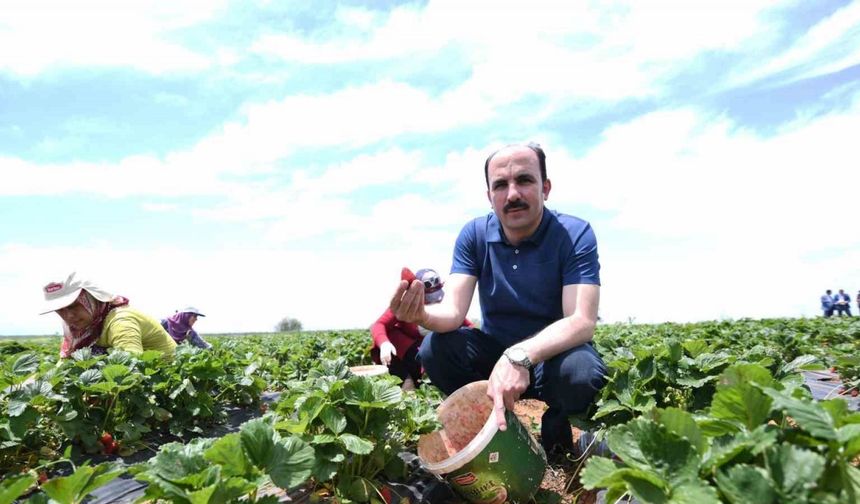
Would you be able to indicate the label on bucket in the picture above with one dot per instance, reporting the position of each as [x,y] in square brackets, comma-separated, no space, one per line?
[480,491]
[509,469]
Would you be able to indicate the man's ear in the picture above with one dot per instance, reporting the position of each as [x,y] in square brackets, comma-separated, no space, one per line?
[489,198]
[547,185]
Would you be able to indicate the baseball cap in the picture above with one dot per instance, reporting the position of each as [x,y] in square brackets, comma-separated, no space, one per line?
[59,295]
[191,309]
[433,292]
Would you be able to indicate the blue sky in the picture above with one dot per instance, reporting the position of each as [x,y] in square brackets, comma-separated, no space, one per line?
[269,159]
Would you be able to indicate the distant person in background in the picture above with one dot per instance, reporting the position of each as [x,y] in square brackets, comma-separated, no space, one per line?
[96,319]
[827,303]
[842,303]
[179,326]
[858,302]
[395,343]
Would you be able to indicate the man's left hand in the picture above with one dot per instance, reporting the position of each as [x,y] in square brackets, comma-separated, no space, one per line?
[507,383]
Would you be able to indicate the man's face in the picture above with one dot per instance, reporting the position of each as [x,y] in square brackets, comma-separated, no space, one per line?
[75,315]
[516,191]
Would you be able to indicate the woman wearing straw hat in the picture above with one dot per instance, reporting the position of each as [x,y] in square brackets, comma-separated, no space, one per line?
[395,343]
[179,326]
[96,319]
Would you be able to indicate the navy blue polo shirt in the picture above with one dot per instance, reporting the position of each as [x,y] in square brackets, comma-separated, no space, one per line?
[520,287]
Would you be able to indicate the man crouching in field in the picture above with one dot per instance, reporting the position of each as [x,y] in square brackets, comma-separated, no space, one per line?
[538,280]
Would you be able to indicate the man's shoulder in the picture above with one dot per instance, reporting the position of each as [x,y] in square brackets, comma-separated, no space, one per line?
[481,220]
[568,220]
[573,225]
[478,226]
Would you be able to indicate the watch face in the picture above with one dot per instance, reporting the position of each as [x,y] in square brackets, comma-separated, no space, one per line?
[517,355]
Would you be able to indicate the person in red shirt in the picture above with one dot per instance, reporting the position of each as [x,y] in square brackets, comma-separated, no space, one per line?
[395,343]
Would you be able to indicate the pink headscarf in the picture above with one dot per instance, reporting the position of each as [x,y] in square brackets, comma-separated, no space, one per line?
[178,325]
[75,338]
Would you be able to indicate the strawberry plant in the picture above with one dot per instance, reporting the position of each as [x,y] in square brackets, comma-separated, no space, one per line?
[761,440]
[228,469]
[357,426]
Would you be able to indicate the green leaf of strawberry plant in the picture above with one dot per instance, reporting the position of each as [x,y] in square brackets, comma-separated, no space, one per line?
[291,463]
[372,393]
[795,471]
[15,486]
[25,364]
[682,424]
[113,372]
[78,485]
[746,484]
[228,452]
[90,377]
[647,446]
[333,419]
[808,414]
[356,444]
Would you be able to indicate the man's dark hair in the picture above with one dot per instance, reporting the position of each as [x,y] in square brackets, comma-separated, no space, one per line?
[535,147]
[828,291]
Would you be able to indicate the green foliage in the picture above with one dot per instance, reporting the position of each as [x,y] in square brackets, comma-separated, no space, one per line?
[356,424]
[762,440]
[78,485]
[228,469]
[707,412]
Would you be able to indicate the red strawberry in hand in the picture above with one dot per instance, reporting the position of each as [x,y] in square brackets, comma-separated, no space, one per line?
[406,274]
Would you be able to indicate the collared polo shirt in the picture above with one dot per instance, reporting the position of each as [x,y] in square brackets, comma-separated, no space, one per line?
[519,287]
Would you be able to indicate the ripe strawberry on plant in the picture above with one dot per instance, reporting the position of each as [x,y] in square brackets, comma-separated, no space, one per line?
[385,491]
[111,448]
[109,445]
[43,477]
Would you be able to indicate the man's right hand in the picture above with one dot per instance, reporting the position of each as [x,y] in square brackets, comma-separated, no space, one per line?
[407,303]
[386,350]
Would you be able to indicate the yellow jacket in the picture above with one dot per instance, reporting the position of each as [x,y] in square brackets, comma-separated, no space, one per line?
[130,330]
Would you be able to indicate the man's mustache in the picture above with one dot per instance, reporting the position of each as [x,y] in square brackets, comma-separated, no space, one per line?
[515,205]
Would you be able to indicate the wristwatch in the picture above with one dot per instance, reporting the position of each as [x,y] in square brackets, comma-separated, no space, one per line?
[518,357]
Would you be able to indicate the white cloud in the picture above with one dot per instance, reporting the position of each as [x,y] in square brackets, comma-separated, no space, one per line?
[48,34]
[710,220]
[268,133]
[159,207]
[134,175]
[705,220]
[548,48]
[698,217]
[828,47]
